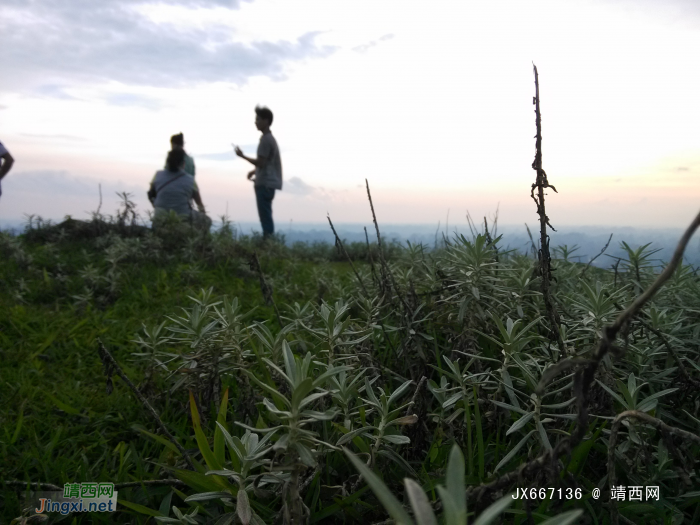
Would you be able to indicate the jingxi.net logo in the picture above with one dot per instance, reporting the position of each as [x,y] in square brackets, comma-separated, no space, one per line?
[78,497]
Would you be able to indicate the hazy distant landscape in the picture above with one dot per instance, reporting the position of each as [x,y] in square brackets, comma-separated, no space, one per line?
[589,239]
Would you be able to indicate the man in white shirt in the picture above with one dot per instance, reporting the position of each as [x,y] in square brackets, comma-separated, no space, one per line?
[7,162]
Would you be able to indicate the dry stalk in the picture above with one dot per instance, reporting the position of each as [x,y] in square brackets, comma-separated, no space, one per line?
[667,432]
[544,257]
[111,365]
[382,262]
[386,270]
[410,406]
[342,247]
[681,367]
[32,485]
[264,287]
[371,259]
[594,258]
[151,483]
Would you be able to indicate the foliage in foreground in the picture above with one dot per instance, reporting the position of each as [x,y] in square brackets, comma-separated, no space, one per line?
[353,386]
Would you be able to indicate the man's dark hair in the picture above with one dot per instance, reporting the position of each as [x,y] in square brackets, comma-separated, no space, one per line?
[175,159]
[264,112]
[178,139]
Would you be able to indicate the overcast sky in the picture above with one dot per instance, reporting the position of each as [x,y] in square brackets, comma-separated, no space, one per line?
[430,101]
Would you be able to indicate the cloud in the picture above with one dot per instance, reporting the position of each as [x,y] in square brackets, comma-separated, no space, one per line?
[54,91]
[364,47]
[71,138]
[130,99]
[229,155]
[682,168]
[110,40]
[296,186]
[61,183]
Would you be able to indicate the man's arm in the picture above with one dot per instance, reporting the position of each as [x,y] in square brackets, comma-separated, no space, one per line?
[7,163]
[198,200]
[258,163]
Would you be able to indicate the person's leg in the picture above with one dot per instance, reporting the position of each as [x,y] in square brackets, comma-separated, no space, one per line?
[269,195]
[264,197]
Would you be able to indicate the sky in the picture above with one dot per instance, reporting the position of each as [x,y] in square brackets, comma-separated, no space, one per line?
[430,102]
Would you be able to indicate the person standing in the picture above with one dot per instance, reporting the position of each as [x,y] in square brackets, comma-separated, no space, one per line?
[7,162]
[178,142]
[268,170]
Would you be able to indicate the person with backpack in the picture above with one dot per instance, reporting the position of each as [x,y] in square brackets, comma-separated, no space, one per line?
[173,188]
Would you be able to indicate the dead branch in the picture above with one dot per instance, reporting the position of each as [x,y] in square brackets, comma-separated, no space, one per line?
[32,485]
[264,287]
[532,242]
[342,247]
[386,271]
[111,366]
[544,257]
[409,408]
[594,258]
[371,259]
[584,378]
[666,430]
[151,483]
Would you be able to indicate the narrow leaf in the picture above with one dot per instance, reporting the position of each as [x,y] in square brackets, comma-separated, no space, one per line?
[520,423]
[390,503]
[419,503]
[495,510]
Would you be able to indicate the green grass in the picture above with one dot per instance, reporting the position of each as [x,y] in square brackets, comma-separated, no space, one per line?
[58,424]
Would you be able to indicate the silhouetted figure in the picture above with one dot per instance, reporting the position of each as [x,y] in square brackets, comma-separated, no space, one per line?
[172,189]
[7,162]
[268,170]
[178,142]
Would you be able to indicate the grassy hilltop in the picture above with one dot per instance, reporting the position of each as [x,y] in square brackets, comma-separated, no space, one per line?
[347,384]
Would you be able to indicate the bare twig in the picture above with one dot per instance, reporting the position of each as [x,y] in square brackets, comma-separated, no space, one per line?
[681,367]
[371,260]
[594,258]
[666,430]
[385,268]
[111,365]
[342,247]
[532,242]
[151,483]
[33,485]
[264,287]
[545,260]
[409,408]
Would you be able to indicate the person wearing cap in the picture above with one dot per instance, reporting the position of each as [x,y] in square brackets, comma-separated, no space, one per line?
[173,188]
[178,142]
[7,162]
[268,170]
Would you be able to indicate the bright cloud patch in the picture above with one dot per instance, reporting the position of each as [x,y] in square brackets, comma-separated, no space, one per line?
[111,40]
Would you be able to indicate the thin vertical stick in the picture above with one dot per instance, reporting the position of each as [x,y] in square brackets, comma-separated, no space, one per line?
[111,365]
[371,259]
[264,287]
[342,247]
[545,260]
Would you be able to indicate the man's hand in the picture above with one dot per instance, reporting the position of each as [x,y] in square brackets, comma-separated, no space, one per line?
[251,174]
[238,151]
